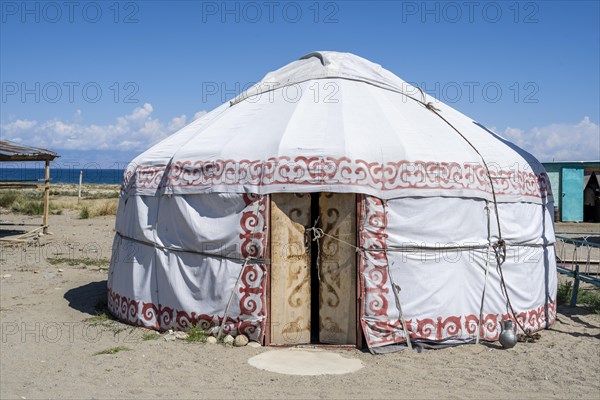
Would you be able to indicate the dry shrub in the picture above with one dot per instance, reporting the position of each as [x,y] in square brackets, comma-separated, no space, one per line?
[106,208]
[84,213]
[7,198]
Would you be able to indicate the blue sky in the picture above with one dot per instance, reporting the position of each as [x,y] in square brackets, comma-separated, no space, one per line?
[529,70]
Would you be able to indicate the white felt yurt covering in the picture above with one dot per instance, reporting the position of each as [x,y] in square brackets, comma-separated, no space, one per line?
[441,202]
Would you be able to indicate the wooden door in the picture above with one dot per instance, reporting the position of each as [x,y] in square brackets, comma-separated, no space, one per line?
[290,269]
[337,269]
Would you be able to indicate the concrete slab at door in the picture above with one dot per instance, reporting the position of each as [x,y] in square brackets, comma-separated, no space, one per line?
[290,269]
[572,195]
[337,269]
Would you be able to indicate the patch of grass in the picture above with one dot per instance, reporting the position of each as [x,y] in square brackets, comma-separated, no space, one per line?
[61,205]
[86,194]
[112,350]
[8,198]
[88,191]
[150,336]
[73,262]
[95,202]
[118,328]
[98,209]
[563,295]
[26,202]
[103,195]
[107,322]
[56,192]
[106,208]
[196,335]
[589,297]
[28,207]
[99,319]
[84,213]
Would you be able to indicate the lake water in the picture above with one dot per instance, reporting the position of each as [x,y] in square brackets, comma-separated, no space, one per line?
[63,175]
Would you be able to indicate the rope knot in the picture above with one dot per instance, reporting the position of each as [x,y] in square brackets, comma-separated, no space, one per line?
[500,245]
[431,107]
[317,233]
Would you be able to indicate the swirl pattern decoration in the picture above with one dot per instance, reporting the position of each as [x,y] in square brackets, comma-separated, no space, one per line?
[337,172]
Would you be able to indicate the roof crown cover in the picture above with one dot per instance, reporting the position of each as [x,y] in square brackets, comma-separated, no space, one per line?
[337,122]
[328,64]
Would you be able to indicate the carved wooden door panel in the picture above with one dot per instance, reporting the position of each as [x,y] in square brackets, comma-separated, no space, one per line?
[337,269]
[290,269]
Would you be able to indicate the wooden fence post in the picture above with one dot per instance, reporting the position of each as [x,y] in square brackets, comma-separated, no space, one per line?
[46,197]
[575,286]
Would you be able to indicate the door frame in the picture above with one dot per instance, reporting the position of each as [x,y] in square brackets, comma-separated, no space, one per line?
[267,335]
[360,335]
[360,339]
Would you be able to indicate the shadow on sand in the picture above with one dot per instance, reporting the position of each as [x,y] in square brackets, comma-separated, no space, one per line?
[89,298]
[8,232]
[571,316]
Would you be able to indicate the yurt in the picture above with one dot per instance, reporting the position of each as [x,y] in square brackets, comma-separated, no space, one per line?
[334,203]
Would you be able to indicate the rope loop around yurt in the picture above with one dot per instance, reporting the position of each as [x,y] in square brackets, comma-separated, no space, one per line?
[500,246]
[245,262]
[249,260]
[319,233]
[509,306]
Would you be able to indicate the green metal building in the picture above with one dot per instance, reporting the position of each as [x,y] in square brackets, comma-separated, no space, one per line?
[576,191]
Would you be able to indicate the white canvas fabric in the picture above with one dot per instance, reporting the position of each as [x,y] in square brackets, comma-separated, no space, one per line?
[345,124]
[153,283]
[441,270]
[193,221]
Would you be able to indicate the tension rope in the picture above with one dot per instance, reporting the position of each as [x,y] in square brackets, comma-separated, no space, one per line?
[500,246]
[226,313]
[318,233]
[248,260]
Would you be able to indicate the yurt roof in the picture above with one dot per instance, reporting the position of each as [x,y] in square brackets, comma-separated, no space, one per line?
[337,122]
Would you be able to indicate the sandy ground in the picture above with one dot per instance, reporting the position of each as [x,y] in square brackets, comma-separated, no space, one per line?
[47,346]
